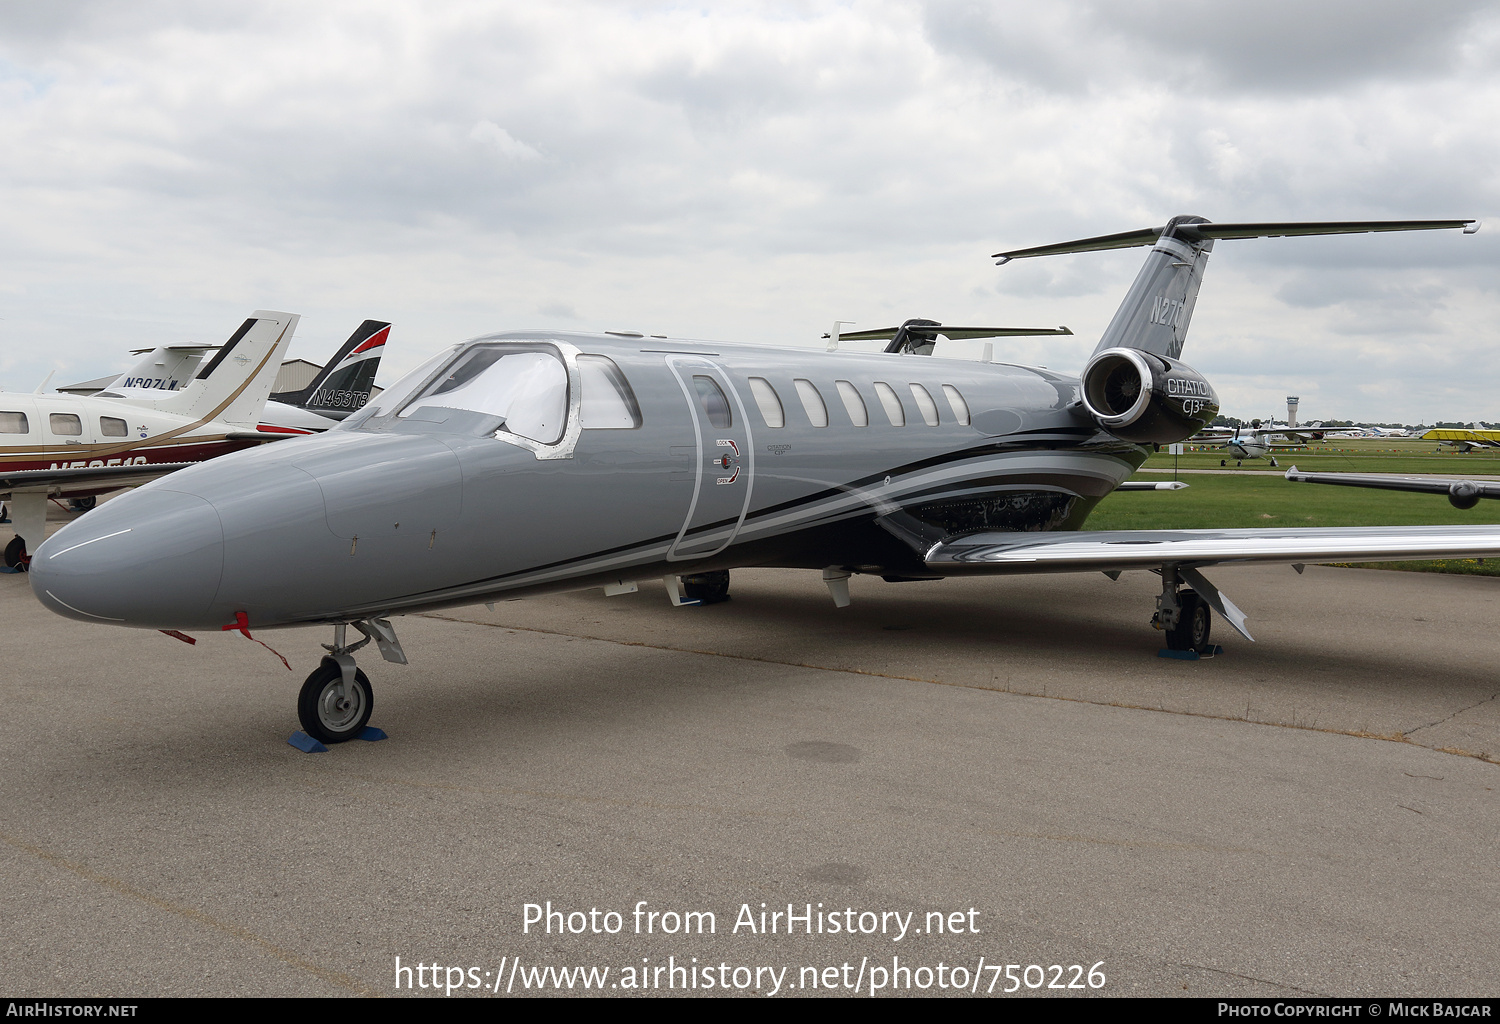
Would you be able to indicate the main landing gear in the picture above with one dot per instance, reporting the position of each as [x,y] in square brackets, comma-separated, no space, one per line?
[1182,615]
[707,587]
[336,700]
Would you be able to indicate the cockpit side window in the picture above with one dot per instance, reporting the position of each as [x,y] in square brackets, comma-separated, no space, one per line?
[520,389]
[608,402]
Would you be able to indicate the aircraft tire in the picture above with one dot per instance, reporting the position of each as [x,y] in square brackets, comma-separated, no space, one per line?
[1194,624]
[321,717]
[15,554]
[84,504]
[707,587]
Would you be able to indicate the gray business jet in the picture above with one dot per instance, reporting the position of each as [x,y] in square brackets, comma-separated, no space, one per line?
[531,462]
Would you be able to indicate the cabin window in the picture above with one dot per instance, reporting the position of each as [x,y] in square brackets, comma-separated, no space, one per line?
[926,404]
[608,403]
[711,399]
[890,403]
[14,423]
[111,426]
[853,403]
[522,390]
[812,402]
[769,402]
[956,400]
[65,424]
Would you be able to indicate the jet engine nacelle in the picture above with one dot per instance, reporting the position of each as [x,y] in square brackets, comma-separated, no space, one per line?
[1145,398]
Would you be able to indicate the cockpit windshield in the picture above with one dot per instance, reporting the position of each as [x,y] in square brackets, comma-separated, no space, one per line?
[520,388]
[520,391]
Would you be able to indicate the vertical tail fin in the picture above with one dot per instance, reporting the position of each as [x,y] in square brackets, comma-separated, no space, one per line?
[1155,314]
[343,386]
[235,384]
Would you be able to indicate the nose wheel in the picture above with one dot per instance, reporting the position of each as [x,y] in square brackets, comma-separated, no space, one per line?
[332,708]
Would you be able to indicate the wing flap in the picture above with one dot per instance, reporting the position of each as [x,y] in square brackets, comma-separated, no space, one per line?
[1084,551]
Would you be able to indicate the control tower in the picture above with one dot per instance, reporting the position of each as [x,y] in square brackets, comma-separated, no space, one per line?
[1291,410]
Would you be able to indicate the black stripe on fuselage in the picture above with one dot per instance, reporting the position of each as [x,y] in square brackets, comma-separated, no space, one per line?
[1014,447]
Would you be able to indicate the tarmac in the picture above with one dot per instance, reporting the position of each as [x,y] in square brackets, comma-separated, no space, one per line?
[1005,764]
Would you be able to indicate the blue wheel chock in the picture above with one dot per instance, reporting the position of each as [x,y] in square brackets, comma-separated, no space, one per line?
[305,743]
[1167,652]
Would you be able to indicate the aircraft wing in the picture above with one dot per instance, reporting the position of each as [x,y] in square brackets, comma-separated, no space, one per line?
[1478,438]
[1116,550]
[107,478]
[1459,490]
[104,478]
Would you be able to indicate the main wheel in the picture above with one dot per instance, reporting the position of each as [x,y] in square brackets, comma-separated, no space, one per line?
[328,715]
[1194,623]
[707,587]
[15,554]
[83,504]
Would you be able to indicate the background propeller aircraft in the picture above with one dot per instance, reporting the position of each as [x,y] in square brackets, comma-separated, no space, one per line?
[1465,439]
[341,387]
[1257,442]
[534,461]
[77,447]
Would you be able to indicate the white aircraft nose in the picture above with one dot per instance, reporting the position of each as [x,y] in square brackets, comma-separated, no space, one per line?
[151,558]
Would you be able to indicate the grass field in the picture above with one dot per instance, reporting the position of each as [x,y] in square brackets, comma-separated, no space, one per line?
[1219,499]
[1358,456]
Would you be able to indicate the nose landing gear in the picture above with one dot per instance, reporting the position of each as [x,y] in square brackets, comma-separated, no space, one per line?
[333,709]
[336,700]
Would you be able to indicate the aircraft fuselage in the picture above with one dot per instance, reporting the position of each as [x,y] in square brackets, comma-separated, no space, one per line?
[400,510]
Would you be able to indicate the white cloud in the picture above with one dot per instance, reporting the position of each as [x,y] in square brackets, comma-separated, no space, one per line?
[750,171]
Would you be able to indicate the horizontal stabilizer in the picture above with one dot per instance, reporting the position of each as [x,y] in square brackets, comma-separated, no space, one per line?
[1205,231]
[953,333]
[175,348]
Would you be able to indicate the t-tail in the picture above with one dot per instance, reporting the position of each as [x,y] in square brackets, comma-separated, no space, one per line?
[164,368]
[235,383]
[1133,385]
[344,385]
[1155,314]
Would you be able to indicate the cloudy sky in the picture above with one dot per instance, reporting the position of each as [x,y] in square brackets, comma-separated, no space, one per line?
[752,172]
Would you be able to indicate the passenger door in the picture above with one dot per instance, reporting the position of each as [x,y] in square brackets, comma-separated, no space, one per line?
[723,455]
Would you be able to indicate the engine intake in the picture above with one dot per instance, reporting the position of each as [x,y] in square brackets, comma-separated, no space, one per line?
[1143,398]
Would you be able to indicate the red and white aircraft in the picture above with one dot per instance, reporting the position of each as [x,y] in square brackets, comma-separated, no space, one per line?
[67,446]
